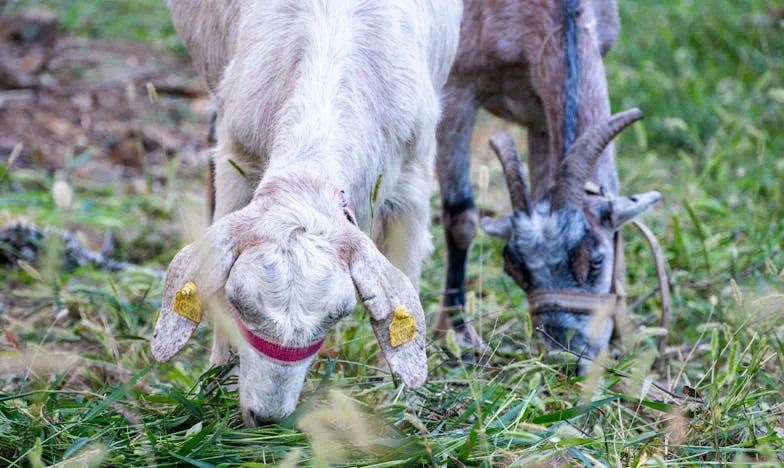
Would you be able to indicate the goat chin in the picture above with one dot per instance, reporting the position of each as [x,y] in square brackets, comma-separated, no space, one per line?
[269,391]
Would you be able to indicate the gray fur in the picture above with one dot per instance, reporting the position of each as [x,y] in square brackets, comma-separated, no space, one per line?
[568,250]
[571,10]
[537,63]
[511,61]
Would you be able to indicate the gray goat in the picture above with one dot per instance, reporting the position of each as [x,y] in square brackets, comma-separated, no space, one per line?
[538,63]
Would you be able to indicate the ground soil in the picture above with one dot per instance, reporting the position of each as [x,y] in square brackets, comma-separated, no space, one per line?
[103,109]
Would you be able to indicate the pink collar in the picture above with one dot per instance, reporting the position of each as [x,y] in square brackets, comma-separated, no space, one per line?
[276,351]
[284,353]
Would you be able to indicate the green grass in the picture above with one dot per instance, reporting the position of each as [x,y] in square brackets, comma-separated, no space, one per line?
[708,76]
[133,20]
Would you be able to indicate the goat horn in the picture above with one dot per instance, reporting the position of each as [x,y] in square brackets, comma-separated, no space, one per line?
[506,150]
[582,157]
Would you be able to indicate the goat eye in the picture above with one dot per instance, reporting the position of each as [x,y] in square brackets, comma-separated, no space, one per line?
[513,266]
[596,262]
[350,216]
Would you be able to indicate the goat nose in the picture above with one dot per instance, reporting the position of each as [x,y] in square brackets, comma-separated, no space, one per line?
[255,419]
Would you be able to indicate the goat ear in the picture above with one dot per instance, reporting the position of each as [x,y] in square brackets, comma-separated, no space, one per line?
[498,227]
[621,210]
[195,274]
[395,311]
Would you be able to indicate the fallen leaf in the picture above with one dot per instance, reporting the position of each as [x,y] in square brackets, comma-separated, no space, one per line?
[11,338]
[62,194]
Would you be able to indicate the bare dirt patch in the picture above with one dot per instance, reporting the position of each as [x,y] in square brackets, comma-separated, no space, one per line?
[114,107]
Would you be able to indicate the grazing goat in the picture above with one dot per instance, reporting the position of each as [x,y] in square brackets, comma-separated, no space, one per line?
[537,63]
[327,116]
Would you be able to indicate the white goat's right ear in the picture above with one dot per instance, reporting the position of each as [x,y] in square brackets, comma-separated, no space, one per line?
[497,227]
[395,311]
[195,274]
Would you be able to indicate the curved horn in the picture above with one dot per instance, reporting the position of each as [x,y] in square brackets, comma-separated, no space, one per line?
[506,150]
[582,157]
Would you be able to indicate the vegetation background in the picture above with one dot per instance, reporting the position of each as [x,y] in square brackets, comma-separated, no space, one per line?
[77,385]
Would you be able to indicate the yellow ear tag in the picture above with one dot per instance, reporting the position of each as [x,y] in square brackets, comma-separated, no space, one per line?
[187,303]
[402,328]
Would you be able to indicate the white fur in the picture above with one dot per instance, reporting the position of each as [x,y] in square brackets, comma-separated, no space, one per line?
[313,94]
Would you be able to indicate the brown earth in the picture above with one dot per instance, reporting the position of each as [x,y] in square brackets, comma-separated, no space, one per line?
[103,109]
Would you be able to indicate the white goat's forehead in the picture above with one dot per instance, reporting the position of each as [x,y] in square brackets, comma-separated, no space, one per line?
[299,276]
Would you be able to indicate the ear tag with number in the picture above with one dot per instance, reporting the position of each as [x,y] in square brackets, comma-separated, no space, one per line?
[187,303]
[402,328]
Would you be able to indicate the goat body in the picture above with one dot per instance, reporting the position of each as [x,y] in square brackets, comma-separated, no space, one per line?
[512,62]
[312,97]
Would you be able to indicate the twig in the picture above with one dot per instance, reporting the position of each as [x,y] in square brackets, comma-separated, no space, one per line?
[663,281]
[135,77]
[707,283]
[640,300]
[440,292]
[25,241]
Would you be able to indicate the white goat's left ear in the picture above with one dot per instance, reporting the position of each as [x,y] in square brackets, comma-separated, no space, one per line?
[395,311]
[619,211]
[195,274]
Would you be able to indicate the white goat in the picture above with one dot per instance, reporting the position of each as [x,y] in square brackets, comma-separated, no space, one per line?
[315,98]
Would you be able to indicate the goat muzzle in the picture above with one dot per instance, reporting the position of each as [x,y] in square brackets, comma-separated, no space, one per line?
[615,301]
[573,302]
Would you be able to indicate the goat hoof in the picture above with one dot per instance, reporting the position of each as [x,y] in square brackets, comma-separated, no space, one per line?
[470,345]
[471,339]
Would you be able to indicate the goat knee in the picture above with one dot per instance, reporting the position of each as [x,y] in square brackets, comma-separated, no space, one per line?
[460,227]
